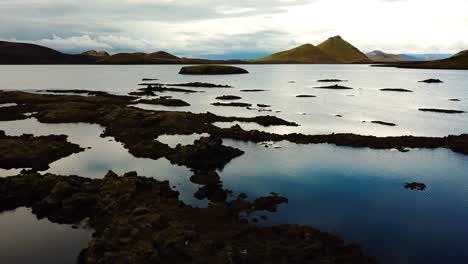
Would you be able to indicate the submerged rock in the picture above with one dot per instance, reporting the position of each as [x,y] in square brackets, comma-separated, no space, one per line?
[332,80]
[334,87]
[200,84]
[446,111]
[396,90]
[305,96]
[415,186]
[253,90]
[228,97]
[235,104]
[431,81]
[212,70]
[383,123]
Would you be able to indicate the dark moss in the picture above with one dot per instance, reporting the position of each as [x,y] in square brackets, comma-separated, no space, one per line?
[228,97]
[141,220]
[334,87]
[138,128]
[396,90]
[10,113]
[446,111]
[212,70]
[86,92]
[164,101]
[27,151]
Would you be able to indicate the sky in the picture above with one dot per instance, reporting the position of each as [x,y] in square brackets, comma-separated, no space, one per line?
[235,29]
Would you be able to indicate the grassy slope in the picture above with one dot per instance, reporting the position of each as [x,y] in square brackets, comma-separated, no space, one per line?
[306,53]
[342,51]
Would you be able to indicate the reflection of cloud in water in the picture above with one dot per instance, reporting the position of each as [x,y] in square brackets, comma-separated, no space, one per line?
[105,154]
[25,239]
[174,140]
[359,194]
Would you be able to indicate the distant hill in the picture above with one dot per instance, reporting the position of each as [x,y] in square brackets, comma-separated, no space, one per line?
[95,53]
[333,50]
[306,53]
[342,51]
[160,57]
[24,53]
[458,61]
[380,56]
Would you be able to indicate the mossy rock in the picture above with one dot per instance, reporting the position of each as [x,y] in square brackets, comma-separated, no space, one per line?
[211,70]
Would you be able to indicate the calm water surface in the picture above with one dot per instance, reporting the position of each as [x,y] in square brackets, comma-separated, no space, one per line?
[356,193]
[26,240]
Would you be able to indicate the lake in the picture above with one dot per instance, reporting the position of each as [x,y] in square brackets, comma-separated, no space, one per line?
[356,193]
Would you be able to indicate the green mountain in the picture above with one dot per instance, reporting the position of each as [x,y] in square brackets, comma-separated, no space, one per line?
[343,51]
[334,50]
[306,53]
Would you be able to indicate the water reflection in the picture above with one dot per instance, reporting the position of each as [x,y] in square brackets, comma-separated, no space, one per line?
[359,194]
[367,103]
[25,239]
[104,154]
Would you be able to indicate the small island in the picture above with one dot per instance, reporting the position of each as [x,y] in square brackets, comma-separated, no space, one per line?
[212,70]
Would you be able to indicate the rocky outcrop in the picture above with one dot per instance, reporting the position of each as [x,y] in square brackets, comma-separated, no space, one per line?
[27,151]
[141,220]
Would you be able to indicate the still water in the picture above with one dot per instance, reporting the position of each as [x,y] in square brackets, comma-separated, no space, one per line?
[26,240]
[356,193]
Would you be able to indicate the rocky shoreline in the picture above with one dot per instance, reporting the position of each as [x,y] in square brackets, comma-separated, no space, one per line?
[141,220]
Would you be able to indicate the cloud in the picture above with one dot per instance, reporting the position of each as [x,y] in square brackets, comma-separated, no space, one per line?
[215,27]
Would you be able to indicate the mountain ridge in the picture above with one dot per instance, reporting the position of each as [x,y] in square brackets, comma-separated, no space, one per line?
[334,50]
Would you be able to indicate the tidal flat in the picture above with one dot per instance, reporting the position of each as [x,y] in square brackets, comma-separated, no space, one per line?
[261,174]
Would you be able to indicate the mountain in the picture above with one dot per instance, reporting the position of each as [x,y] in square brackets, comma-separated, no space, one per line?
[333,50]
[95,53]
[458,61]
[24,53]
[343,51]
[159,57]
[380,56]
[306,53]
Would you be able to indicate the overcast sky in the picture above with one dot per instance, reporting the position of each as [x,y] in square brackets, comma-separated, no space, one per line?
[236,28]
